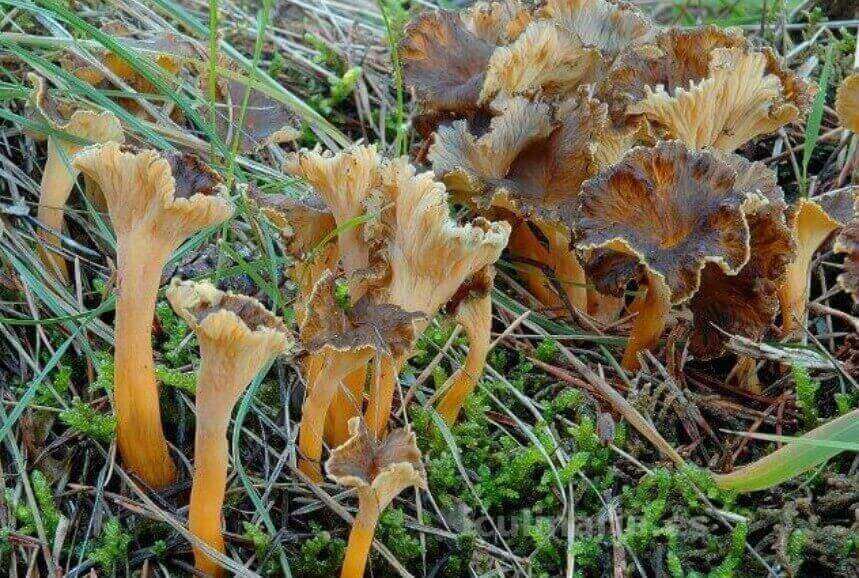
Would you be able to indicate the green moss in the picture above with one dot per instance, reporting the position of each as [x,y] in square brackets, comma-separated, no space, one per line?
[394,534]
[806,394]
[112,546]
[104,371]
[82,418]
[176,379]
[176,331]
[319,556]
[547,351]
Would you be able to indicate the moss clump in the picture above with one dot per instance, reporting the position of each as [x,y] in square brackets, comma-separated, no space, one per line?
[320,556]
[112,548]
[82,418]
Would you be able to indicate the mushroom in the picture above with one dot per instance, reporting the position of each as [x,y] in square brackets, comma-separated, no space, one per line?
[847,103]
[498,22]
[682,81]
[472,308]
[673,210]
[745,304]
[238,336]
[58,176]
[847,243]
[737,101]
[426,257]
[155,203]
[379,471]
[345,337]
[532,162]
[811,222]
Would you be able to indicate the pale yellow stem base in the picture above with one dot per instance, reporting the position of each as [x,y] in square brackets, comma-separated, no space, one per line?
[346,404]
[476,317]
[317,402]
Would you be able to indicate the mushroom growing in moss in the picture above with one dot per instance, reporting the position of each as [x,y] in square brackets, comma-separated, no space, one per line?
[345,336]
[379,471]
[673,210]
[812,221]
[238,337]
[58,176]
[155,203]
[472,308]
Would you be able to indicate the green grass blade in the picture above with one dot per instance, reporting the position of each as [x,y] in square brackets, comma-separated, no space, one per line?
[812,127]
[795,458]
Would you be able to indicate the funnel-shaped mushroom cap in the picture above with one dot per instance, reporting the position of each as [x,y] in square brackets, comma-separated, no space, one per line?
[428,256]
[385,468]
[444,62]
[498,22]
[343,181]
[304,222]
[90,126]
[609,25]
[545,59]
[365,326]
[674,209]
[738,101]
[528,159]
[745,304]
[236,327]
[171,196]
[847,103]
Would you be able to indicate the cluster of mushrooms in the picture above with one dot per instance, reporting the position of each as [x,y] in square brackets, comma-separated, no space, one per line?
[597,147]
[610,145]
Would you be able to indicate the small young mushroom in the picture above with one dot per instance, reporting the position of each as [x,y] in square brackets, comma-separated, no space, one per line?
[379,471]
[472,307]
[673,210]
[345,336]
[58,176]
[238,337]
[155,203]
[811,221]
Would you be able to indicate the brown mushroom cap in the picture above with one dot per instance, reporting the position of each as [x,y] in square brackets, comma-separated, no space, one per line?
[847,103]
[173,196]
[545,59]
[444,62]
[386,467]
[239,321]
[528,160]
[745,304]
[304,221]
[674,209]
[609,25]
[381,327]
[84,124]
[266,120]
